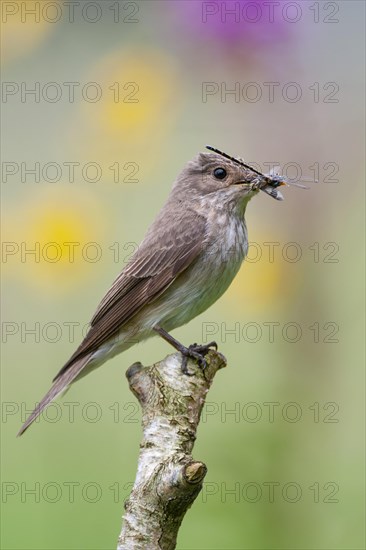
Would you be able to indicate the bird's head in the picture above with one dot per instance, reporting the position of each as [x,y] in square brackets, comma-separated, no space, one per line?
[225,180]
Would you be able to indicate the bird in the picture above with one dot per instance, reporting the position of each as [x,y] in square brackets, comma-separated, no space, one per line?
[186,261]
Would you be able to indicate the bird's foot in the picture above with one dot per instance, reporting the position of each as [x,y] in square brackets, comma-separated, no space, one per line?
[196,352]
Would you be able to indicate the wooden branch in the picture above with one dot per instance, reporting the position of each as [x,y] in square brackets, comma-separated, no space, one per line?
[168,479]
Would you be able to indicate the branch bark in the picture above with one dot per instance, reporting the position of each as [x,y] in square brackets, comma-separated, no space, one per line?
[168,479]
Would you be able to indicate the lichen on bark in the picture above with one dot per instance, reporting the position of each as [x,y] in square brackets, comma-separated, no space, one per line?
[168,479]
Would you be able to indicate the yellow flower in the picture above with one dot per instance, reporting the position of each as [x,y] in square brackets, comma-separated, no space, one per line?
[139,102]
[55,238]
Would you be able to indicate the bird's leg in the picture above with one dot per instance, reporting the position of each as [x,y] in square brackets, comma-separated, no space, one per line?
[194,351]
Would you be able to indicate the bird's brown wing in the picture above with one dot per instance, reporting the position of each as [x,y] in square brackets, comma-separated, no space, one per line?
[151,270]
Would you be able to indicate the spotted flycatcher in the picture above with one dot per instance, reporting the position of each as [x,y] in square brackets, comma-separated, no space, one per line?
[187,260]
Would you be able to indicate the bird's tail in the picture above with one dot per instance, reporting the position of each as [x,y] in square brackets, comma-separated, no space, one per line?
[60,385]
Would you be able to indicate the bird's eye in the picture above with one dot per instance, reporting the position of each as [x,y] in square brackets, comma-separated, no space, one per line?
[220,173]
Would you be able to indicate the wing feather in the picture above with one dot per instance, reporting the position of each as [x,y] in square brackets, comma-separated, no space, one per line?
[150,272]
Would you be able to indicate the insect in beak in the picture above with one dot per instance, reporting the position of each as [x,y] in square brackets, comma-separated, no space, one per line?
[273,191]
[274,181]
[271,187]
[268,183]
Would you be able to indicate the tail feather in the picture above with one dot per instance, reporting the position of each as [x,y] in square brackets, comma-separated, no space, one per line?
[61,383]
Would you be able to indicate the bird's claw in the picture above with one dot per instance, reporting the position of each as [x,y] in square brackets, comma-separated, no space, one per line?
[198,353]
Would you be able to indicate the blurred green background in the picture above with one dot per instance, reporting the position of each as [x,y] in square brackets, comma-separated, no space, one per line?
[283,431]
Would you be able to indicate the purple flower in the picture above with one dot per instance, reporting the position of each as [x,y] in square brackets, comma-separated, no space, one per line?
[240,21]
